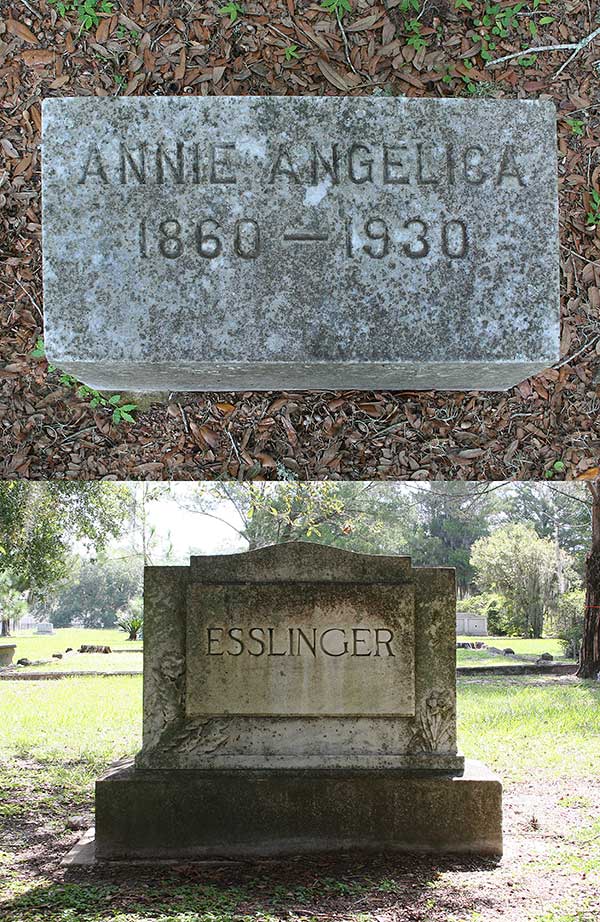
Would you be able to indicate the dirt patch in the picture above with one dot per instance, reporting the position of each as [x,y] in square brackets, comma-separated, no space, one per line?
[545,838]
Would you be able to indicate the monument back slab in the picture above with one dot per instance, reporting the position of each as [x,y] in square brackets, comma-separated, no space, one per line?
[214,243]
[299,656]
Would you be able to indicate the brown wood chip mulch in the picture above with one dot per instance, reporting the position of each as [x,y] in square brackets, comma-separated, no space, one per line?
[159,48]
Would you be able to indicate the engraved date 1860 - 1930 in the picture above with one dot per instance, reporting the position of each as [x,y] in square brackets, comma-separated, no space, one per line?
[373,237]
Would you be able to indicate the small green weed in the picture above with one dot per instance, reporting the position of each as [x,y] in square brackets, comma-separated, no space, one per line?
[576,125]
[558,467]
[337,8]
[122,32]
[494,21]
[121,412]
[233,10]
[87,10]
[416,39]
[412,27]
[593,215]
[389,885]
[291,52]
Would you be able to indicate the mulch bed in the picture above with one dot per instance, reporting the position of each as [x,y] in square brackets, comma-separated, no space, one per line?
[161,48]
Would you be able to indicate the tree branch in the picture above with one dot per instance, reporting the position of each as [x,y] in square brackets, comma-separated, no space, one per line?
[575,47]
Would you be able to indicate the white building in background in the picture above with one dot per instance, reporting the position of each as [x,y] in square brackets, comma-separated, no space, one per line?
[26,623]
[470,624]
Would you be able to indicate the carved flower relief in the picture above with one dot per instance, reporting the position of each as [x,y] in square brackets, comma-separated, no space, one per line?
[169,676]
[190,738]
[434,723]
[200,736]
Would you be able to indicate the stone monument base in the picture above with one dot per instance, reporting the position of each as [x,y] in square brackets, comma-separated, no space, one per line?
[162,813]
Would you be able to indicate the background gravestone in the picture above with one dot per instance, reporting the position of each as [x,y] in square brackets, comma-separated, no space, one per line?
[298,698]
[290,242]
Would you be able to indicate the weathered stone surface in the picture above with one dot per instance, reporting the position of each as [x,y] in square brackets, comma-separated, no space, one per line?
[237,636]
[7,651]
[297,698]
[159,814]
[300,242]
[238,709]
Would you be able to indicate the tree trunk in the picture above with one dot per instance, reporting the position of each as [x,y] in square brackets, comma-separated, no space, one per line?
[5,629]
[589,657]
[132,634]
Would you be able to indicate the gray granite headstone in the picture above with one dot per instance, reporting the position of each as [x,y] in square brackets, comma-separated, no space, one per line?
[300,242]
[269,641]
[298,698]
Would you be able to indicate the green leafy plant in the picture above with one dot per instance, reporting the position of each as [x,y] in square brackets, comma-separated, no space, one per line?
[233,10]
[495,21]
[337,8]
[120,412]
[576,125]
[87,10]
[122,32]
[559,467]
[416,40]
[593,215]
[291,52]
[527,60]
[131,618]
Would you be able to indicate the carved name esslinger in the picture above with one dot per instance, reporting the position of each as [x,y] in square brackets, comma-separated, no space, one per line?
[398,163]
[296,641]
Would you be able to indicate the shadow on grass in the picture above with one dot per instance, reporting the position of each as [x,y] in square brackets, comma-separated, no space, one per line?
[352,886]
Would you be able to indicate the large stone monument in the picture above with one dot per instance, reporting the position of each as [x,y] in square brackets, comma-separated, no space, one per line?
[300,242]
[298,698]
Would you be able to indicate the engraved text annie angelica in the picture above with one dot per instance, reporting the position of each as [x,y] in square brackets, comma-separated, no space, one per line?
[394,163]
[296,641]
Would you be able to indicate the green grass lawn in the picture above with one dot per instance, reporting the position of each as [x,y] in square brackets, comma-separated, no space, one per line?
[91,662]
[522,644]
[56,737]
[483,658]
[42,646]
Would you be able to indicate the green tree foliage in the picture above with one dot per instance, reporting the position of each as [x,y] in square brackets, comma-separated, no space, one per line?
[450,517]
[12,604]
[97,593]
[435,526]
[562,514]
[39,523]
[346,515]
[569,619]
[519,565]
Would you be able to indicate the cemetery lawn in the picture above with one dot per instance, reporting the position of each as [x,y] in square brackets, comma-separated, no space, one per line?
[42,646]
[529,645]
[542,735]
